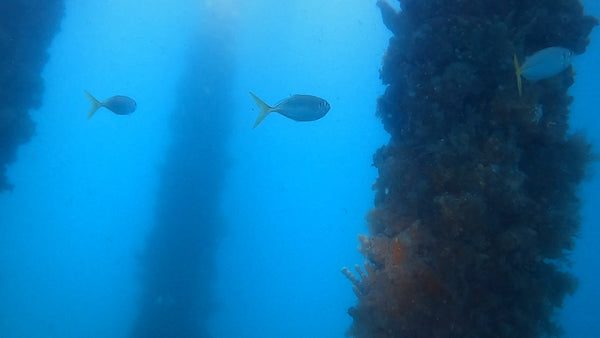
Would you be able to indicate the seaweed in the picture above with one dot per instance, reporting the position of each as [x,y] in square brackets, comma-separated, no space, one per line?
[476,205]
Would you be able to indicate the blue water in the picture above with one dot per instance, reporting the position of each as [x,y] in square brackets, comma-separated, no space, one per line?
[294,195]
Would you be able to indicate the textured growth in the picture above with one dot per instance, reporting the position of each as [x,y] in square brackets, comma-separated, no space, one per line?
[26,29]
[476,201]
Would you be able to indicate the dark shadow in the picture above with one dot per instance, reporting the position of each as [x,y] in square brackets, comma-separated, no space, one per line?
[26,30]
[178,265]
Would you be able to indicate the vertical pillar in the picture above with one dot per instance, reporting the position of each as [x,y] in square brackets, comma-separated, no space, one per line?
[476,206]
[178,265]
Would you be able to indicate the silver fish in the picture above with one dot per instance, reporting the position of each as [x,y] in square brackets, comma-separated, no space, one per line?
[543,64]
[296,107]
[118,104]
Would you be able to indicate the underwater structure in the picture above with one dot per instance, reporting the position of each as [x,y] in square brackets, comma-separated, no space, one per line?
[26,30]
[178,264]
[476,205]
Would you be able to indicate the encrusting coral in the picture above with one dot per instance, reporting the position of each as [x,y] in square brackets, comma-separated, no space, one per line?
[476,203]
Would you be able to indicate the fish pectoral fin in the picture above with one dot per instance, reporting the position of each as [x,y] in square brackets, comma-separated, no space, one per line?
[518,74]
[95,104]
[264,108]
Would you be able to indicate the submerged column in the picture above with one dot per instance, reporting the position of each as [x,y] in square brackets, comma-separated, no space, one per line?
[476,203]
[178,265]
[26,30]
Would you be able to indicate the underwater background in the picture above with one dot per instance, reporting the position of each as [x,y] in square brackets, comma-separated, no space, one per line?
[180,220]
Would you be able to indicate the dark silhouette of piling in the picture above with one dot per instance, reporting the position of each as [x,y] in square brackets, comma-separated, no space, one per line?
[178,265]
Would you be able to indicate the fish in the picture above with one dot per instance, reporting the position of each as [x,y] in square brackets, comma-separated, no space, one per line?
[542,64]
[119,104]
[296,107]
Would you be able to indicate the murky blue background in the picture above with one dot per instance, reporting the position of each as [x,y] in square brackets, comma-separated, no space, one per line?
[295,194]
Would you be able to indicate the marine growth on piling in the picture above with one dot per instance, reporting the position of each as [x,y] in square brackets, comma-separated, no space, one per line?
[476,204]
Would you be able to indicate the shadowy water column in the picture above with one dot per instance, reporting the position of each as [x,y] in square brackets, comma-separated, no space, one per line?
[476,205]
[178,264]
[26,30]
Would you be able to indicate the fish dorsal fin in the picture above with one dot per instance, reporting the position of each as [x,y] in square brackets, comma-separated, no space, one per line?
[518,72]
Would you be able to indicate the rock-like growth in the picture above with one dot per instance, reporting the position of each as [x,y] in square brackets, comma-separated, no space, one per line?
[476,204]
[26,30]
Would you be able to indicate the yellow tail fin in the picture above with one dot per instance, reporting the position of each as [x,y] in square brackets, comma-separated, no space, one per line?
[518,74]
[265,109]
[95,104]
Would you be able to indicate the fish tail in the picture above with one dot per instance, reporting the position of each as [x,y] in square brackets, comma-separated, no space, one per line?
[95,104]
[518,74]
[265,109]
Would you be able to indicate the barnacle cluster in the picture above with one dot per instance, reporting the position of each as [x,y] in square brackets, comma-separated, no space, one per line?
[476,203]
[26,29]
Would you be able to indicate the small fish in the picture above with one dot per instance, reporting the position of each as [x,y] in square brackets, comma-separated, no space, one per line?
[118,104]
[296,107]
[543,64]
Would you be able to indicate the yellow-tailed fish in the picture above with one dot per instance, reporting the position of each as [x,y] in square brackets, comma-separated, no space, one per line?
[118,104]
[296,107]
[543,64]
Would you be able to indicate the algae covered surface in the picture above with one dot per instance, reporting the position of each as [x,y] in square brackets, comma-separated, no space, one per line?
[476,205]
[26,30]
